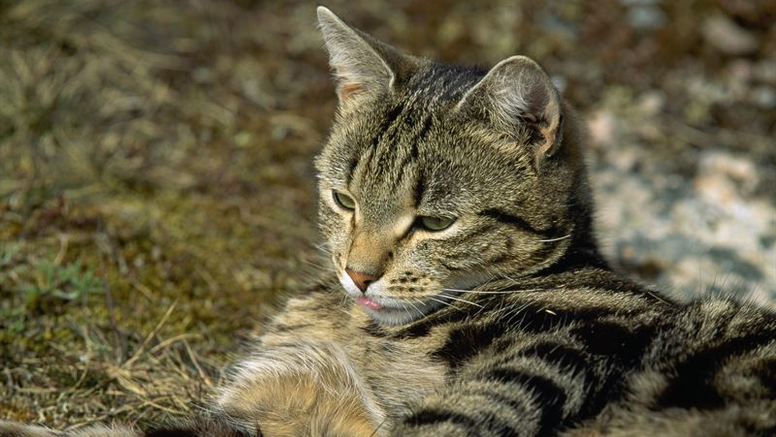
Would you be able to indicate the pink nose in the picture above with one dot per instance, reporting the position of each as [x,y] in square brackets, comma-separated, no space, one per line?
[362,280]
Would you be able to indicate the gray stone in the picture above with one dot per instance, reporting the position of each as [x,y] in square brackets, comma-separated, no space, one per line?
[728,37]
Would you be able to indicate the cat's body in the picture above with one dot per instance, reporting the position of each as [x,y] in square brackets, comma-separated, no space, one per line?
[582,351]
[457,215]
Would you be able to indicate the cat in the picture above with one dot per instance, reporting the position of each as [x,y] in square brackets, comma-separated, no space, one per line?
[467,295]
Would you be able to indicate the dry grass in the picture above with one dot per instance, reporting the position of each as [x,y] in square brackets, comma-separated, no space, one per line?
[151,205]
[156,191]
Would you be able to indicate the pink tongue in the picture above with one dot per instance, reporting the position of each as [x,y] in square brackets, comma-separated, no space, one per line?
[369,303]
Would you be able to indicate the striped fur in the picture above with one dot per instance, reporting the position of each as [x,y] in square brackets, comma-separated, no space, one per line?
[507,323]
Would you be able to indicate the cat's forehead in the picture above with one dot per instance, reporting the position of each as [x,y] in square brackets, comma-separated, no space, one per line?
[437,85]
[411,148]
[406,155]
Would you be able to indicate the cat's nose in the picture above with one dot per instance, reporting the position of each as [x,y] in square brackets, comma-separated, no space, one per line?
[361,279]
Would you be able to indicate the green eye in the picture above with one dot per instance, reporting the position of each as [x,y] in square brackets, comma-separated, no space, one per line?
[344,200]
[436,223]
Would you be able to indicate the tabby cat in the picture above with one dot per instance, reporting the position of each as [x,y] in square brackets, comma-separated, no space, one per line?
[468,297]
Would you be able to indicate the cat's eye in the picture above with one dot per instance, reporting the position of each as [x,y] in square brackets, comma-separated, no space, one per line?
[344,201]
[435,223]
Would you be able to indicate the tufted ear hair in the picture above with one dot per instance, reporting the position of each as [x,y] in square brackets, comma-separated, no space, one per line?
[361,64]
[517,93]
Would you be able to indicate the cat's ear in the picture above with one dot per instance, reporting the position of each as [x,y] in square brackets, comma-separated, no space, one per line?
[361,64]
[517,92]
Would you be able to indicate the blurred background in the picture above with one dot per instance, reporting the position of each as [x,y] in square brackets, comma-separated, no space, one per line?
[157,192]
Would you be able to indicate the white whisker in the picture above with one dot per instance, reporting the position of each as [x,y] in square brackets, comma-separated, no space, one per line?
[446,296]
[494,291]
[441,302]
[415,308]
[550,240]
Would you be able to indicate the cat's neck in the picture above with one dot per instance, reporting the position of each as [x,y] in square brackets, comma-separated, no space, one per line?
[582,253]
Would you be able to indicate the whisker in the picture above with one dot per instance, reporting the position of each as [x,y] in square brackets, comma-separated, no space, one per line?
[342,307]
[494,291]
[509,278]
[416,308]
[322,248]
[441,301]
[550,240]
[461,300]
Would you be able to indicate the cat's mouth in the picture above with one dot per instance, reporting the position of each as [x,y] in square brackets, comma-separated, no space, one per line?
[386,304]
[398,310]
[369,303]
[394,311]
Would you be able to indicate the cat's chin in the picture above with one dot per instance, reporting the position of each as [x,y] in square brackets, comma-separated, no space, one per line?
[385,309]
[399,313]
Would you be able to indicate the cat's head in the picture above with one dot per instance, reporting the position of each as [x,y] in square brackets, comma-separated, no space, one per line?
[437,178]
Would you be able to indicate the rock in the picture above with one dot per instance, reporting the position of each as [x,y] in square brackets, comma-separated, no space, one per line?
[645,17]
[644,14]
[652,103]
[765,71]
[739,171]
[728,37]
[554,24]
[764,97]
[709,233]
[740,74]
[603,127]
[757,13]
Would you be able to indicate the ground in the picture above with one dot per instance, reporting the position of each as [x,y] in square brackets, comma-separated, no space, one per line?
[157,194]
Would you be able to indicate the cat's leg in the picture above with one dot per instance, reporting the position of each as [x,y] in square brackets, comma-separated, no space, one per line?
[202,425]
[299,381]
[300,389]
[13,429]
[535,388]
[757,418]
[710,375]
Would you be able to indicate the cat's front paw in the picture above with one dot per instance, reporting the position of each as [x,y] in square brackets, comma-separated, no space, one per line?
[304,390]
[13,429]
